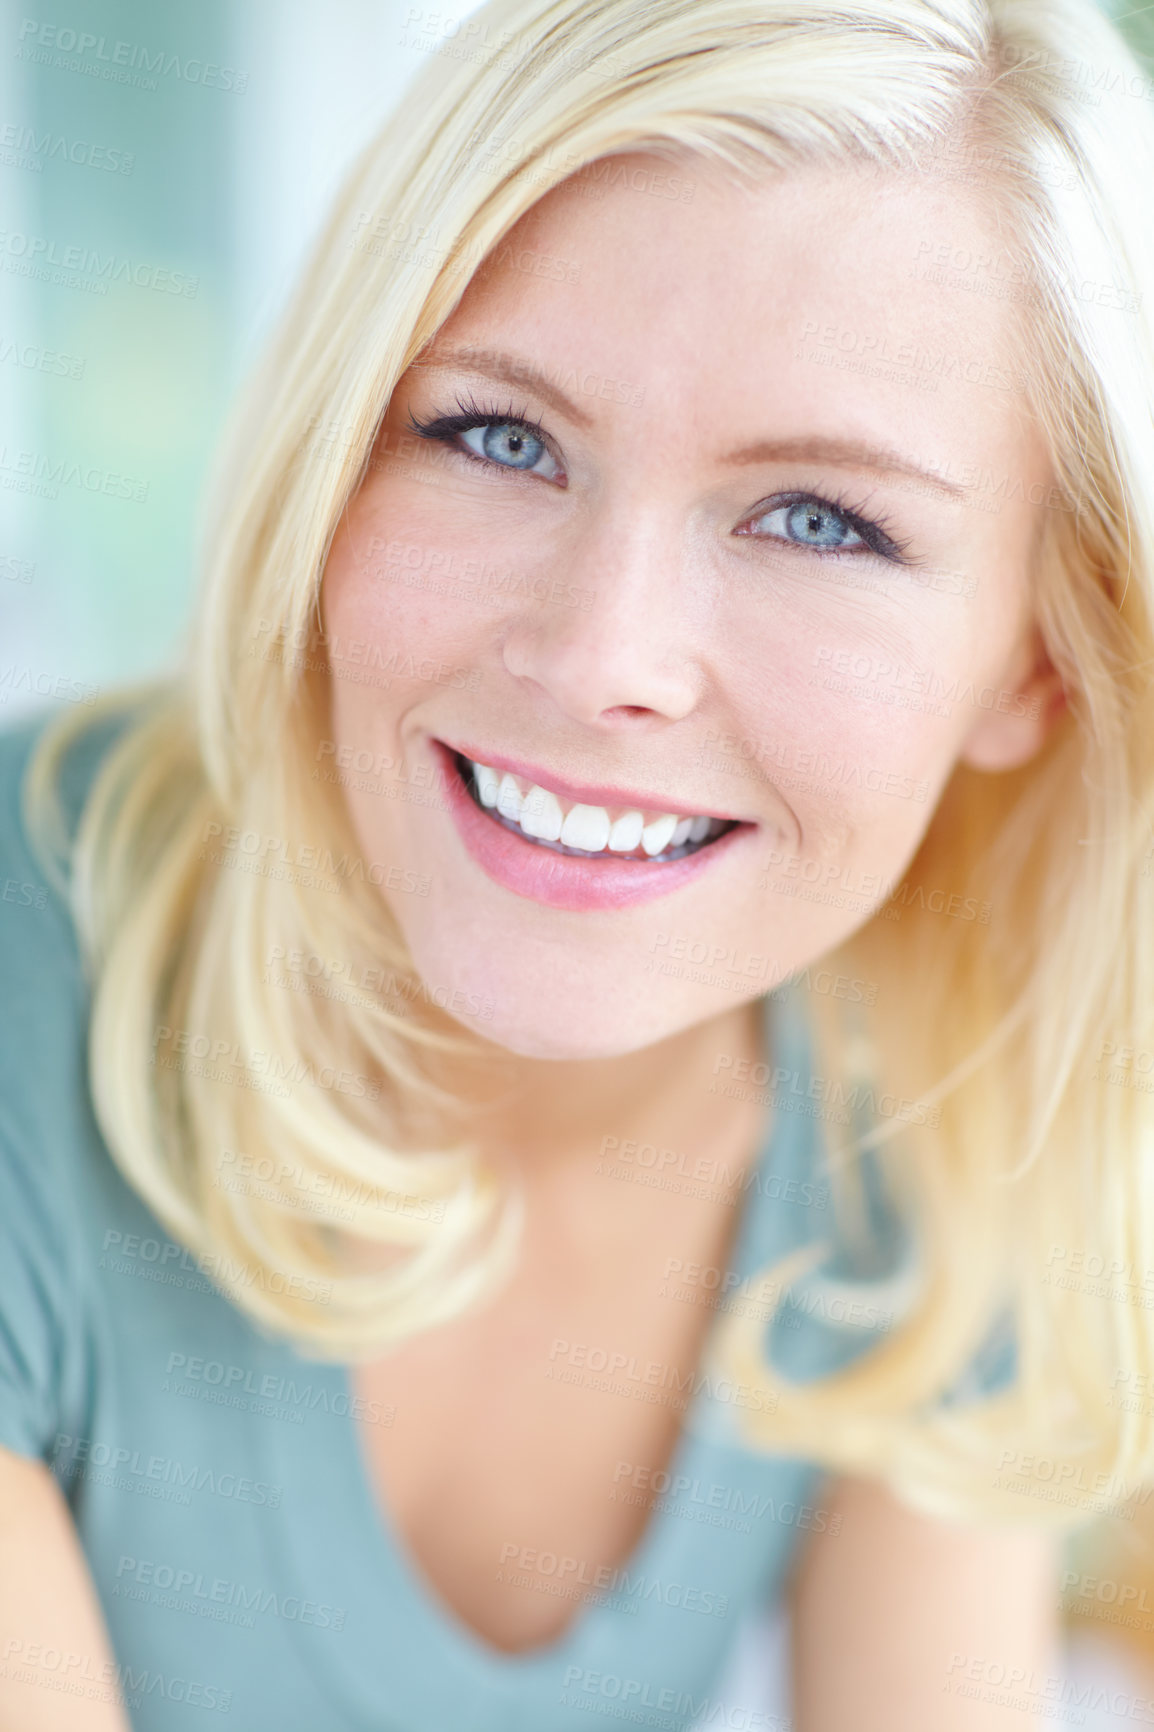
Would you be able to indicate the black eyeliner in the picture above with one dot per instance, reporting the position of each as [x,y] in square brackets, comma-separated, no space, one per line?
[473,414]
[876,534]
[877,537]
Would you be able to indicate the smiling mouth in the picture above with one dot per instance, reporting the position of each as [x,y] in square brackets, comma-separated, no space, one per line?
[584,831]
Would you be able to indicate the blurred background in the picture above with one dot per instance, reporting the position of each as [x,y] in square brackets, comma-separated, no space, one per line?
[162,171]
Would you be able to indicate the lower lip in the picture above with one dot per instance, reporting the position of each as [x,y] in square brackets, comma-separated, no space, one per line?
[566,880]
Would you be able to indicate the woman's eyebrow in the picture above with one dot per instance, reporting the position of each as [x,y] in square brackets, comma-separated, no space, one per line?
[509,370]
[499,365]
[877,459]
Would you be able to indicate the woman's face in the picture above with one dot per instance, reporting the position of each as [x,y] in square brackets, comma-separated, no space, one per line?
[735,523]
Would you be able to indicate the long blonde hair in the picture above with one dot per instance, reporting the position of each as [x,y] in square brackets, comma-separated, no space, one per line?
[210,846]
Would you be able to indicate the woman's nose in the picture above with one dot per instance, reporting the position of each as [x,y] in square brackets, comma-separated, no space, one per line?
[608,638]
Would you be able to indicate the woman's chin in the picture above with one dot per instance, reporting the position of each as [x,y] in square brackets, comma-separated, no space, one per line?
[589,1031]
[537,1013]
[562,1045]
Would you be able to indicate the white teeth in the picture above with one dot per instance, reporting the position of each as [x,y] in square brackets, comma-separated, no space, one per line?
[625,835]
[541,815]
[509,799]
[656,836]
[586,827]
[488,784]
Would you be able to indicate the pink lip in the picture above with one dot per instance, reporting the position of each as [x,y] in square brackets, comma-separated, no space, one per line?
[588,795]
[566,880]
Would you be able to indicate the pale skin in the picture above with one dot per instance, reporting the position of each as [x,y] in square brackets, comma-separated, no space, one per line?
[706,624]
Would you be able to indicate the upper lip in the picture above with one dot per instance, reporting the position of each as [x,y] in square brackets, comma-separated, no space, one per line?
[586,793]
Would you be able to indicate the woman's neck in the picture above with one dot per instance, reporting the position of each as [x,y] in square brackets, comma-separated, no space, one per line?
[545,1116]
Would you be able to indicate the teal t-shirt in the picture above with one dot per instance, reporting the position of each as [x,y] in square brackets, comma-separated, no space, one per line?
[215,1475]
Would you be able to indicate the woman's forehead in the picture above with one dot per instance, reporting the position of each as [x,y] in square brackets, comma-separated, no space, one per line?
[832,293]
[839,236]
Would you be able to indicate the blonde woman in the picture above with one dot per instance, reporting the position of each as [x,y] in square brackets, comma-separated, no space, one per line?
[585,1063]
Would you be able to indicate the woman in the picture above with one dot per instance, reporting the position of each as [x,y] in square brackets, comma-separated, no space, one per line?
[609,978]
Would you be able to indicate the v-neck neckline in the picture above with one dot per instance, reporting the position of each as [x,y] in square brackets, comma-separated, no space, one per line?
[371,1569]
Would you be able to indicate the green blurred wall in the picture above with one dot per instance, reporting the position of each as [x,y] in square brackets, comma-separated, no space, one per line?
[116,392]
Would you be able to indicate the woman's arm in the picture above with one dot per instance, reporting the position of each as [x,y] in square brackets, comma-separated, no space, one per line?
[56,1668]
[903,1623]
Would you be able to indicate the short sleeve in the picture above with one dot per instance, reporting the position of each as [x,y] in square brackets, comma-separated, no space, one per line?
[45,1130]
[34,1326]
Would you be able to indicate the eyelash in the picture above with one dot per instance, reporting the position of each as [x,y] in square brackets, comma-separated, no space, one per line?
[877,534]
[474,414]
[879,538]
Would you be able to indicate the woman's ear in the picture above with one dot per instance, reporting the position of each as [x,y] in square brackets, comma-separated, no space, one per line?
[1024,710]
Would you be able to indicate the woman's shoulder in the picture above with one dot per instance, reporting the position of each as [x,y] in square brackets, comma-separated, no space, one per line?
[34,909]
[60,1195]
[44,1002]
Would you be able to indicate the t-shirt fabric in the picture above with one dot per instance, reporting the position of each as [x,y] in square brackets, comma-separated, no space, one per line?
[215,1474]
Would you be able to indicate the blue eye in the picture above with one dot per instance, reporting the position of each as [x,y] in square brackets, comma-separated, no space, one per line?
[821,526]
[502,438]
[816,526]
[509,443]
